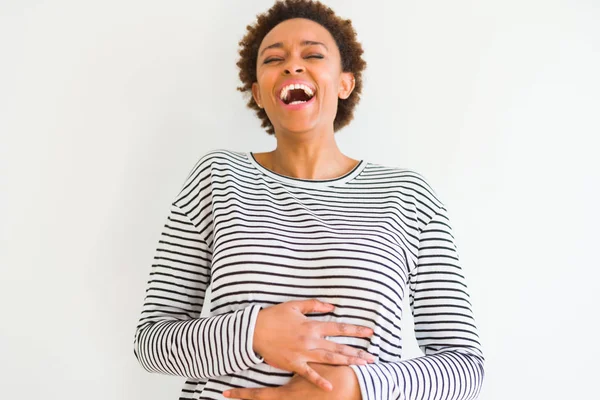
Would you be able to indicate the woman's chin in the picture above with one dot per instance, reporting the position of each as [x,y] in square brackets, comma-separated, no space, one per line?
[298,125]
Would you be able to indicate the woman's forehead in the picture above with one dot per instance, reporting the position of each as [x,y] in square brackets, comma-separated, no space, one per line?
[297,31]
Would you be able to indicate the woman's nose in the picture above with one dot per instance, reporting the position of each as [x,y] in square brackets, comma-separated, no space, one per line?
[293,66]
[297,70]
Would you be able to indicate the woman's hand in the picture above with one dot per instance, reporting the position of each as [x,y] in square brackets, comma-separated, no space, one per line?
[345,387]
[288,340]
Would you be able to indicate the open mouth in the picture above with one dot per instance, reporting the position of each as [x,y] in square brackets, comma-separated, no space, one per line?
[296,94]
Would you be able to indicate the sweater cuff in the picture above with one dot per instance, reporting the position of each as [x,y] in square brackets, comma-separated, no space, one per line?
[374,382]
[251,315]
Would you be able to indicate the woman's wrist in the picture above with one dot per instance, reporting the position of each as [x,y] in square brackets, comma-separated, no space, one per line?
[342,377]
[352,381]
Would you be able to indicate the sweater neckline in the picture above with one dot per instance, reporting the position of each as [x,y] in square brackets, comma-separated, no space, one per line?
[340,180]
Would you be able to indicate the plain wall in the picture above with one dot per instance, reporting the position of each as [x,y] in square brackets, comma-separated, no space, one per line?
[105,107]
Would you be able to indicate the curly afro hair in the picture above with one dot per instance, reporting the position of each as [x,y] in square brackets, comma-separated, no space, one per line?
[342,31]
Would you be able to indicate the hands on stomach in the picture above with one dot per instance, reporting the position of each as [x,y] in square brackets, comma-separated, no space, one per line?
[288,340]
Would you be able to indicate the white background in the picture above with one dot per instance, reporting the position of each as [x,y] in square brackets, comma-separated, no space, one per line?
[105,106]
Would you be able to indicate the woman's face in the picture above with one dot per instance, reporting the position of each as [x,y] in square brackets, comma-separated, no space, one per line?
[300,52]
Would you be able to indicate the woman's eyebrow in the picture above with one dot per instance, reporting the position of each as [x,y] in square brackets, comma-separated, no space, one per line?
[279,45]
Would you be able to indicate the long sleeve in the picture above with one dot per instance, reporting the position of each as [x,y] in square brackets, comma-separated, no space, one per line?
[170,337]
[453,365]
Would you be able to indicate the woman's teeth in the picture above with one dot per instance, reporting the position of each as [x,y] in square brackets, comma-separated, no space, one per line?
[285,91]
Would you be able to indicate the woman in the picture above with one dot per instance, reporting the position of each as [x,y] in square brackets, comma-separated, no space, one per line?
[309,253]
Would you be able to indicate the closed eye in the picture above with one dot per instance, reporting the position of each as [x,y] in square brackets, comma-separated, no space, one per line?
[267,61]
[271,60]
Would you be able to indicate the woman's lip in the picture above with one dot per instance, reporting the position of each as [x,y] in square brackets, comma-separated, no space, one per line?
[296,81]
[297,106]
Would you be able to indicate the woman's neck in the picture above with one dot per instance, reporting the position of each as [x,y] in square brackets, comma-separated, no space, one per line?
[304,164]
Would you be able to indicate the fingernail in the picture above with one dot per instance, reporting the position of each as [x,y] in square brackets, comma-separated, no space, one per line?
[226,393]
[361,361]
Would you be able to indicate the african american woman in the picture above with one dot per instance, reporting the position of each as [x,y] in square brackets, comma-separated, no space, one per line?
[308,253]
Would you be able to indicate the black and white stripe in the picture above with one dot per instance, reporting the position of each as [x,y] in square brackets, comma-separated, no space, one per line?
[361,242]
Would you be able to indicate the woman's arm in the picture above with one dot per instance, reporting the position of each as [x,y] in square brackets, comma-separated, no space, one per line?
[171,338]
[453,365]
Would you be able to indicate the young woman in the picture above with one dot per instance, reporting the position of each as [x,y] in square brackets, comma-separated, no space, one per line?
[309,253]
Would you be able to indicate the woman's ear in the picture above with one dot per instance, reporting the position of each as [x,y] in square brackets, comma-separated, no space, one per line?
[346,85]
[256,94]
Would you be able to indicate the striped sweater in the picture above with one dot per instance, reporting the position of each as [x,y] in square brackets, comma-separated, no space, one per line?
[362,241]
